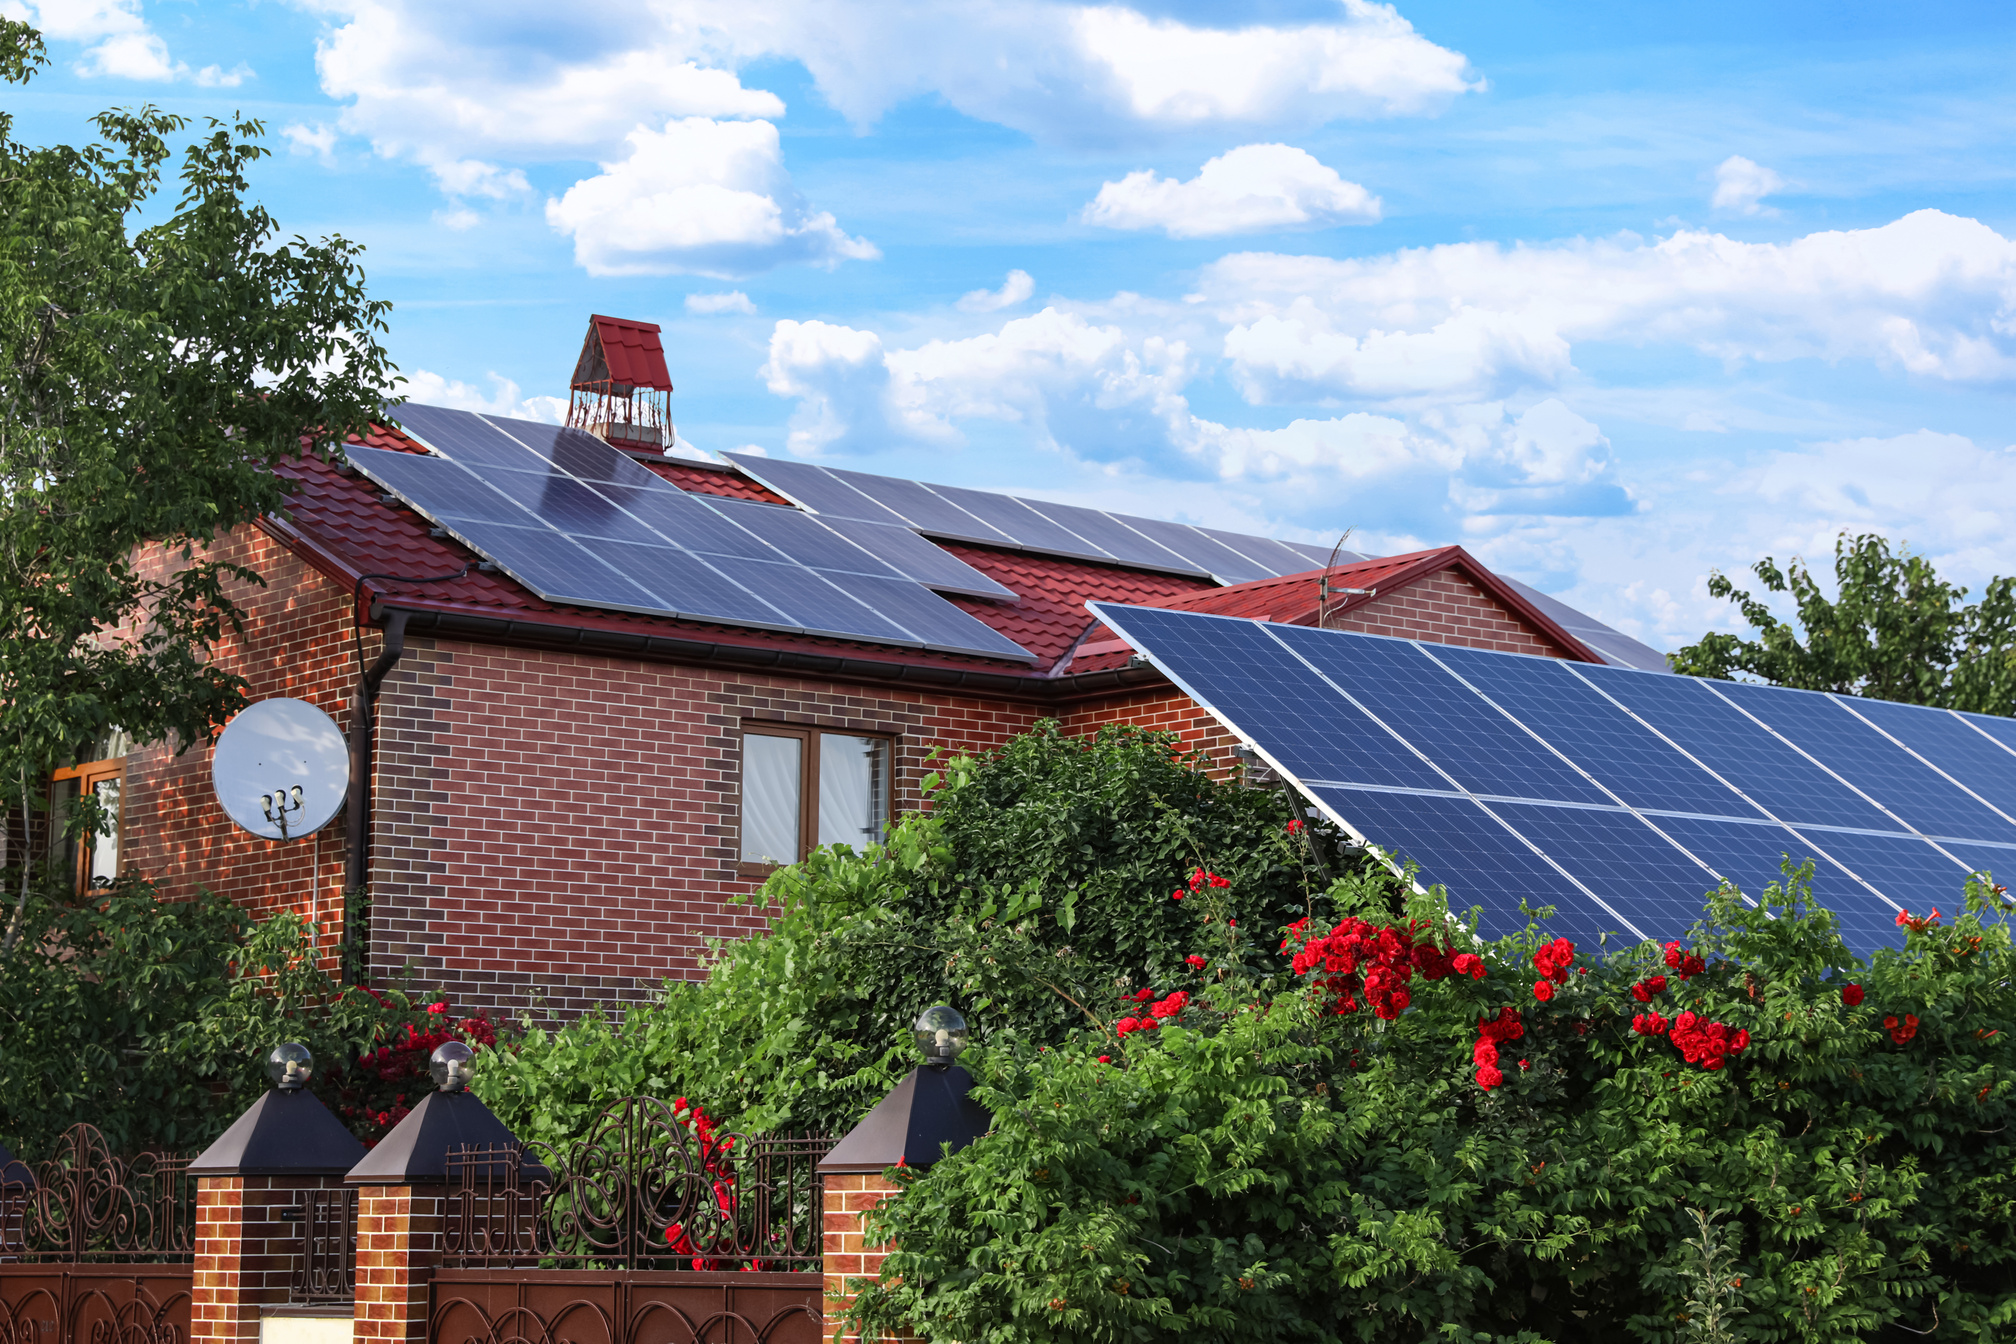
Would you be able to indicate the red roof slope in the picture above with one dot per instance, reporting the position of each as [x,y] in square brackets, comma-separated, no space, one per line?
[630,351]
[1294,599]
[1051,616]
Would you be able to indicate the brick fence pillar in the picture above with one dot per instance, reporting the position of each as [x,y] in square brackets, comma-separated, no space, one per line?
[849,1258]
[248,1250]
[398,1248]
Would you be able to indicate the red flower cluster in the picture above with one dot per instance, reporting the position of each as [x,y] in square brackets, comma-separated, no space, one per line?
[1199,880]
[1554,960]
[1645,989]
[1356,958]
[1172,1005]
[1688,964]
[1698,1040]
[373,1095]
[714,1161]
[1852,995]
[1900,1032]
[1195,962]
[1918,923]
[1491,1032]
[1295,827]
[1168,1007]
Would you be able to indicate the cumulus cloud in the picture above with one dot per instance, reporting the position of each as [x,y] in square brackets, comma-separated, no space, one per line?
[734,301]
[319,140]
[1741,186]
[1931,294]
[119,42]
[1248,190]
[503,398]
[1015,289]
[700,197]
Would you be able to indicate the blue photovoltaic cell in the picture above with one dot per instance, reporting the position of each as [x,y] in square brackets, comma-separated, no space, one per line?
[1014,519]
[1711,729]
[1460,847]
[1220,561]
[1318,557]
[553,566]
[1912,790]
[465,438]
[575,451]
[682,518]
[438,488]
[1633,762]
[1907,870]
[1399,685]
[1654,888]
[1115,538]
[798,536]
[2002,730]
[685,585]
[1950,743]
[567,505]
[921,508]
[1995,860]
[1262,551]
[918,559]
[927,616]
[814,488]
[1286,709]
[809,601]
[1752,855]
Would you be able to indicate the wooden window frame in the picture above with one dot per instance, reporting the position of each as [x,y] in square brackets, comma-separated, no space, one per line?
[89,775]
[808,784]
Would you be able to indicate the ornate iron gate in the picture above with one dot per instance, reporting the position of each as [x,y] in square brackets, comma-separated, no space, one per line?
[97,1249]
[646,1231]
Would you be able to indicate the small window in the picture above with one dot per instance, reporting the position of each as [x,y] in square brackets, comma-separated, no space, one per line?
[93,861]
[804,787]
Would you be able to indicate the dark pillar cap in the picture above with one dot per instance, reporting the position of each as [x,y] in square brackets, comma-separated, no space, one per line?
[282,1134]
[416,1151]
[926,1111]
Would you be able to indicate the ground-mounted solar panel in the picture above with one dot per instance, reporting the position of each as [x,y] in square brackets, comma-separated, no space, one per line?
[928,617]
[2001,731]
[1616,796]
[1949,743]
[918,560]
[1998,861]
[1890,776]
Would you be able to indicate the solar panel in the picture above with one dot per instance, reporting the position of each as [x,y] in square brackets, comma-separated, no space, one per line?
[464,437]
[573,451]
[928,617]
[1950,743]
[922,507]
[798,536]
[1014,519]
[917,559]
[553,566]
[569,506]
[1619,797]
[1262,551]
[438,488]
[813,487]
[811,602]
[1318,557]
[1220,561]
[686,585]
[1114,537]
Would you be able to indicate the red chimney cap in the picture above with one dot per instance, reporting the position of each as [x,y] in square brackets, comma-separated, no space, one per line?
[621,352]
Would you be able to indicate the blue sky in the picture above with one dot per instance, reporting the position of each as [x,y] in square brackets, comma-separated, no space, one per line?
[1609,294]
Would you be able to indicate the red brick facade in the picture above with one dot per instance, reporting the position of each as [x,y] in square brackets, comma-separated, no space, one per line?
[246,1253]
[399,1229]
[1446,608]
[849,1258]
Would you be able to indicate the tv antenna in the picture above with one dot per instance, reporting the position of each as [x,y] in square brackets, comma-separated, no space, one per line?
[281,769]
[1324,588]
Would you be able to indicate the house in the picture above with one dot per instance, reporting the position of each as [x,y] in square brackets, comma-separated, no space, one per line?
[555,804]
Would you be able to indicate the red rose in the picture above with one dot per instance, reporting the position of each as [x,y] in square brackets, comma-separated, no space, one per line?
[1488,1077]
[1543,990]
[1852,995]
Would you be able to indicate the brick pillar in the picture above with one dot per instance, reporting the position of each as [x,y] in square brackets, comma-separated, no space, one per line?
[848,1256]
[399,1231]
[246,1252]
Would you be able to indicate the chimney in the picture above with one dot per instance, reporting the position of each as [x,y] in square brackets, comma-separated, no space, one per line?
[621,391]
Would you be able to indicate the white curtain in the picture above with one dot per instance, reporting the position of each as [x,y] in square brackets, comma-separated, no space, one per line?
[853,789]
[770,798]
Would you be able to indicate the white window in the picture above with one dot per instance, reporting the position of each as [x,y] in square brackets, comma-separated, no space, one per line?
[803,787]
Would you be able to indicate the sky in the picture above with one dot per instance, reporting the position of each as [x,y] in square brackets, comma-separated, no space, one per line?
[1613,296]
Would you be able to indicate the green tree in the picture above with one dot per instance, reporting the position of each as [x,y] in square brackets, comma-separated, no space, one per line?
[1894,631]
[150,380]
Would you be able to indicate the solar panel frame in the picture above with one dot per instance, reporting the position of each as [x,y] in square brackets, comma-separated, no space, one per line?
[1115,538]
[1217,559]
[1909,871]
[920,560]
[813,488]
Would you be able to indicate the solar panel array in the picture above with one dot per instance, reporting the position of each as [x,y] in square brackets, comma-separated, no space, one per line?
[953,513]
[1617,796]
[578,522]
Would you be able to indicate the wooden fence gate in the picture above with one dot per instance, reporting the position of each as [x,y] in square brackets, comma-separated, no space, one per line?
[650,1229]
[96,1249]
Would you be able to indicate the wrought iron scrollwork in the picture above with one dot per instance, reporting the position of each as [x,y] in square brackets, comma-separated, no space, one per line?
[86,1205]
[640,1190]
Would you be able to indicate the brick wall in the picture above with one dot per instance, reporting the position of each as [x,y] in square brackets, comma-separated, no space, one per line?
[246,1254]
[848,1256]
[1446,608]
[296,642]
[399,1230]
[553,830]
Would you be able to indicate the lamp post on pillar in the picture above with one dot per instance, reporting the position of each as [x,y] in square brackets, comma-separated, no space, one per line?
[402,1200]
[257,1190]
[924,1117]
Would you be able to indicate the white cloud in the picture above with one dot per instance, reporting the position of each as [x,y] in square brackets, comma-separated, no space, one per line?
[458,220]
[1248,190]
[1932,294]
[504,398]
[121,44]
[700,197]
[319,140]
[1015,289]
[734,301]
[1741,185]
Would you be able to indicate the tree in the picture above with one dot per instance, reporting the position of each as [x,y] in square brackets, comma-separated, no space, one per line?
[150,380]
[1896,631]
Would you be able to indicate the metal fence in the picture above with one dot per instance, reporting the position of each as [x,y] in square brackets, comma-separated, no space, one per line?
[327,1269]
[86,1206]
[641,1190]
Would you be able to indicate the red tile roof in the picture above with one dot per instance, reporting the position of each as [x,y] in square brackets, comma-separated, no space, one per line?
[705,481]
[1051,615]
[632,352]
[1293,599]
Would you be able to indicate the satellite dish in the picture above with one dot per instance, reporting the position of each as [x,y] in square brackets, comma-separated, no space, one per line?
[281,769]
